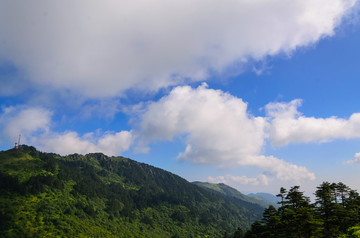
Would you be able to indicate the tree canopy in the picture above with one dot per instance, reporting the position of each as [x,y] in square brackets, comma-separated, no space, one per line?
[335,213]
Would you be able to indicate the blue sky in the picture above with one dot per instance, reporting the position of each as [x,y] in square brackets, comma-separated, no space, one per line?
[257,95]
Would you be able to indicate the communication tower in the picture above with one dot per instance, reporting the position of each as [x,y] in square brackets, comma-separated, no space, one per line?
[17,144]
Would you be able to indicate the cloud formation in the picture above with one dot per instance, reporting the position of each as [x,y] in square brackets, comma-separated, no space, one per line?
[288,125]
[355,160]
[101,49]
[218,130]
[34,124]
[217,125]
[70,142]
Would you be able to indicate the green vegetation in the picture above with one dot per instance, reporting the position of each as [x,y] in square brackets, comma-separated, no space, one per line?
[47,195]
[335,213]
[231,192]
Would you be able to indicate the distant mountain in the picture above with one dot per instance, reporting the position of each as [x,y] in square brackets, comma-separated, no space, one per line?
[232,192]
[268,198]
[93,195]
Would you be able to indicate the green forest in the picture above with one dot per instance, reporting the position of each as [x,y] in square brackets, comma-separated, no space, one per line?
[335,213]
[93,195]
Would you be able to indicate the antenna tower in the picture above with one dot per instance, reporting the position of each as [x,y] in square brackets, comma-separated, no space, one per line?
[19,140]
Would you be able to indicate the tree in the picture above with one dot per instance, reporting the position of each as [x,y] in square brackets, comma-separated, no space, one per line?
[343,192]
[238,233]
[282,195]
[299,218]
[296,199]
[335,211]
[326,206]
[272,222]
[257,230]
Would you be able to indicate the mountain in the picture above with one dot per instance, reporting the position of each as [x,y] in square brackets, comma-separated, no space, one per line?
[93,195]
[268,198]
[228,191]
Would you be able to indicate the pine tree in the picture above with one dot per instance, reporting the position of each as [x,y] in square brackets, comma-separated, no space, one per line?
[326,207]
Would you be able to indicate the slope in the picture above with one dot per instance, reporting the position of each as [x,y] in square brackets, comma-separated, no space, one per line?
[266,198]
[228,191]
[93,195]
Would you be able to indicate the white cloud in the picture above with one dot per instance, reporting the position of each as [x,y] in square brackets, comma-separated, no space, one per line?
[218,131]
[71,142]
[25,121]
[34,125]
[103,48]
[281,169]
[355,160]
[288,125]
[217,124]
[240,180]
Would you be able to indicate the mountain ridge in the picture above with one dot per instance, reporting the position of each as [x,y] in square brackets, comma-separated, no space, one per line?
[267,198]
[46,194]
[229,191]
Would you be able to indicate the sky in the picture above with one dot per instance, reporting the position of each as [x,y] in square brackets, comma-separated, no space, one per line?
[255,94]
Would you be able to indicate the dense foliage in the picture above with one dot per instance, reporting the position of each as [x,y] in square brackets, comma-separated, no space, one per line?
[335,213]
[47,195]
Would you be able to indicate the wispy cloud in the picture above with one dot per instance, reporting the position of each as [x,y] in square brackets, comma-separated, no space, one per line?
[101,49]
[355,160]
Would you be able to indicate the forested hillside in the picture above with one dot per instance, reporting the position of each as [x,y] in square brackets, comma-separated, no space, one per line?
[231,192]
[44,194]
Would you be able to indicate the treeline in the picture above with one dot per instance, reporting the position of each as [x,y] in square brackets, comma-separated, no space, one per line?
[335,213]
